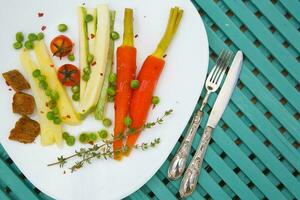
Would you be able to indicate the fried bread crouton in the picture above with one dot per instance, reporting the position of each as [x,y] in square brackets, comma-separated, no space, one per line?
[23,103]
[25,131]
[16,80]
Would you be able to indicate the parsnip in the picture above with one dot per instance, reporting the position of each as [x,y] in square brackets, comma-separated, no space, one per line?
[67,112]
[50,132]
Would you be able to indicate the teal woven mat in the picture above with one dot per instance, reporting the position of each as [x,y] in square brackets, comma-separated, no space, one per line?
[255,150]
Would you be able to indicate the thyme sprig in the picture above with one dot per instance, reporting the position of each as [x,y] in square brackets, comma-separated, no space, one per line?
[105,150]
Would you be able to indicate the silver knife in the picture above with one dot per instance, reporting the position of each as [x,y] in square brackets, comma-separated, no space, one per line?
[190,178]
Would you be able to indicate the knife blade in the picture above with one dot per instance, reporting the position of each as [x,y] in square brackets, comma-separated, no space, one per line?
[226,91]
[190,178]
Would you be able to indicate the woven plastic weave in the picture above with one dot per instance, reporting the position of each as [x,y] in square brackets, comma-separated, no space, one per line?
[255,150]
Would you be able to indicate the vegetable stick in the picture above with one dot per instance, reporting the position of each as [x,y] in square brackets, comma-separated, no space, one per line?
[126,67]
[84,47]
[50,132]
[45,64]
[99,112]
[148,78]
[95,83]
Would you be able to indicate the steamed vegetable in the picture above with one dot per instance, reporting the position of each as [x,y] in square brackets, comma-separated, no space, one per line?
[126,67]
[99,112]
[94,85]
[45,64]
[61,46]
[84,47]
[148,77]
[68,75]
[50,132]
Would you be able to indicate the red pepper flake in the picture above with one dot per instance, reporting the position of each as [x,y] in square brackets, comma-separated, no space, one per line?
[68,116]
[10,89]
[47,105]
[40,14]
[42,112]
[101,74]
[43,28]
[92,36]
[91,143]
[93,63]
[136,35]
[51,65]
[165,56]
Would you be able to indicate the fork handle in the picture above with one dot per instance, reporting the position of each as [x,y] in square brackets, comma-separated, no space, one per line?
[178,163]
[191,176]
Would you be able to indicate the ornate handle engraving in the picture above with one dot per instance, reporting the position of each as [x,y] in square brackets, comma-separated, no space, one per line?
[178,163]
[190,178]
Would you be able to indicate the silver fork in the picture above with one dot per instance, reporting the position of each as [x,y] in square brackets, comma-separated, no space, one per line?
[213,81]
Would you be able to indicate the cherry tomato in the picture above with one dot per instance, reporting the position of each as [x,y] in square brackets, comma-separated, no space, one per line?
[69,75]
[61,46]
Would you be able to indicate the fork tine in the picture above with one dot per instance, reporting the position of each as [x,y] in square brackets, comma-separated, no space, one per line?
[218,62]
[223,67]
[220,66]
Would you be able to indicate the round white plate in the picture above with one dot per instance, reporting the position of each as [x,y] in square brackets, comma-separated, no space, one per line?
[179,88]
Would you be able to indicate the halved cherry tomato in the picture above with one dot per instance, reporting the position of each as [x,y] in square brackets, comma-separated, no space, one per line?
[61,46]
[69,75]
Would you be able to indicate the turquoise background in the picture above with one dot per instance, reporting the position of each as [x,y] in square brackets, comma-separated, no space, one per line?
[254,153]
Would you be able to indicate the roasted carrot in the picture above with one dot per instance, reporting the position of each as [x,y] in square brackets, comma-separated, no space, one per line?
[148,78]
[126,67]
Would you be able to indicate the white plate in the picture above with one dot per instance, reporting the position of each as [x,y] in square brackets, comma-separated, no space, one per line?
[179,88]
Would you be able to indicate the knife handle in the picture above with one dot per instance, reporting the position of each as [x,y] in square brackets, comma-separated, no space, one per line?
[191,176]
[178,163]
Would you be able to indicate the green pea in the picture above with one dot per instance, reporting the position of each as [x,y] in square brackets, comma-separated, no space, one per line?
[70,141]
[62,27]
[52,104]
[114,35]
[111,98]
[155,100]
[83,138]
[55,111]
[29,44]
[50,115]
[48,92]
[32,37]
[85,77]
[43,85]
[36,73]
[57,120]
[134,84]
[71,57]
[112,78]
[41,78]
[90,58]
[103,134]
[127,121]
[76,97]
[65,135]
[18,45]
[87,70]
[93,137]
[40,36]
[75,89]
[111,91]
[89,18]
[19,37]
[54,95]
[106,122]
